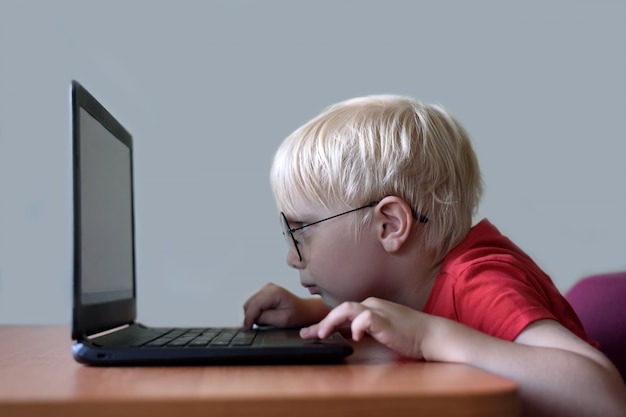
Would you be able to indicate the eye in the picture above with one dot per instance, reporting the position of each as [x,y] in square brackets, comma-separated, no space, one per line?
[300,229]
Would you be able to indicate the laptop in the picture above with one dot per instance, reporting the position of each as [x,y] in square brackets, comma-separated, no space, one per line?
[104,314]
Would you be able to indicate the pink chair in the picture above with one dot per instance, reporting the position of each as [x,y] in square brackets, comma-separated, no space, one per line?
[600,302]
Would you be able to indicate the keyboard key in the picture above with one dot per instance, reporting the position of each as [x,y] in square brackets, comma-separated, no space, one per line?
[197,337]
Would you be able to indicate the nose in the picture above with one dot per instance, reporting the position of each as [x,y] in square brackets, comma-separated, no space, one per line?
[293,260]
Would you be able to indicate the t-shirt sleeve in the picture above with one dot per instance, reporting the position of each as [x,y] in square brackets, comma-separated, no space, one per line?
[500,299]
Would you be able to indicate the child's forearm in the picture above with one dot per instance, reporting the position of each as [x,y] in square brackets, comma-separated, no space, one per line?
[552,382]
[558,374]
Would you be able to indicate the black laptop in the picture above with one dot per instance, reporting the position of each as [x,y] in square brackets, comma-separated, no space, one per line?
[104,322]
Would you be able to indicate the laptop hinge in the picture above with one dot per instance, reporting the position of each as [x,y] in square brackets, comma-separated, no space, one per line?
[109,331]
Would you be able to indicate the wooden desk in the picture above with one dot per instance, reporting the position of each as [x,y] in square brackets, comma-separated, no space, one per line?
[44,380]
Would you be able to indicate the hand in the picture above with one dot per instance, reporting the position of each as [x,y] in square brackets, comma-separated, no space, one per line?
[275,306]
[400,328]
[547,361]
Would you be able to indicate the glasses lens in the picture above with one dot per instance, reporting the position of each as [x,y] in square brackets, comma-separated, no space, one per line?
[291,241]
[286,233]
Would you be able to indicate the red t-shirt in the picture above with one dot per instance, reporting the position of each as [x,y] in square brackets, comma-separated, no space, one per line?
[486,282]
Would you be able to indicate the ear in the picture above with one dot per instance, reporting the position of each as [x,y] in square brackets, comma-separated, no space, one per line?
[394,222]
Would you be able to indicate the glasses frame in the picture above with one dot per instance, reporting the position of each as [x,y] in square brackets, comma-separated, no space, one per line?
[288,230]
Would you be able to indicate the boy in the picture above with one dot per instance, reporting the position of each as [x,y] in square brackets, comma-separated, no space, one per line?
[377,196]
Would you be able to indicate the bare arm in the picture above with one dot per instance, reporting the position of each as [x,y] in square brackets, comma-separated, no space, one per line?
[558,374]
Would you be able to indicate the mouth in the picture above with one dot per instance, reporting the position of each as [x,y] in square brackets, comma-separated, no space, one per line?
[312,288]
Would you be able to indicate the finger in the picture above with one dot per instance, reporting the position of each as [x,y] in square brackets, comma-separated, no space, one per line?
[309,332]
[373,323]
[278,318]
[362,324]
[257,304]
[266,291]
[251,314]
[345,312]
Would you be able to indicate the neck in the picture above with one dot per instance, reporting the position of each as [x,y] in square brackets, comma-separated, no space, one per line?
[415,277]
[418,289]
[412,274]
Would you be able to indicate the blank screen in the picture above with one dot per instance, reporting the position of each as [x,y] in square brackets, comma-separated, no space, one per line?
[106,214]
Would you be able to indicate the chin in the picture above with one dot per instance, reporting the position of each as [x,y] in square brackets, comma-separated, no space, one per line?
[330,302]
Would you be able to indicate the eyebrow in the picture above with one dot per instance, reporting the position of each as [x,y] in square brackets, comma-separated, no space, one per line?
[300,217]
[297,222]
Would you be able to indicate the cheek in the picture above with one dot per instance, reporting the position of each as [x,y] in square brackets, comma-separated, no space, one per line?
[348,270]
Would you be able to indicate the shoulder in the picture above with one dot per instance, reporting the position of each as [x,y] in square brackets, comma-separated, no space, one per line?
[495,286]
[483,244]
[487,258]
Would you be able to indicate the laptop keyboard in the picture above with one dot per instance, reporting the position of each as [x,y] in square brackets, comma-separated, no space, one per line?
[218,337]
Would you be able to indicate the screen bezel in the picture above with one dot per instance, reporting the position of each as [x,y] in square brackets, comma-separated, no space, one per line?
[88,319]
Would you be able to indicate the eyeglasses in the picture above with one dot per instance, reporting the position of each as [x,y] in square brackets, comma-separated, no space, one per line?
[291,240]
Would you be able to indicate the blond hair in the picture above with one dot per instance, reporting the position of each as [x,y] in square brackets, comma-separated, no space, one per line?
[364,149]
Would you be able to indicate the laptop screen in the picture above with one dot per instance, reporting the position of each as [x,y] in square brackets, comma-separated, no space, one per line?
[104,270]
[106,217]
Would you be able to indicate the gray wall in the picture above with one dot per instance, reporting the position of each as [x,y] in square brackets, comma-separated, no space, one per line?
[210,88]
